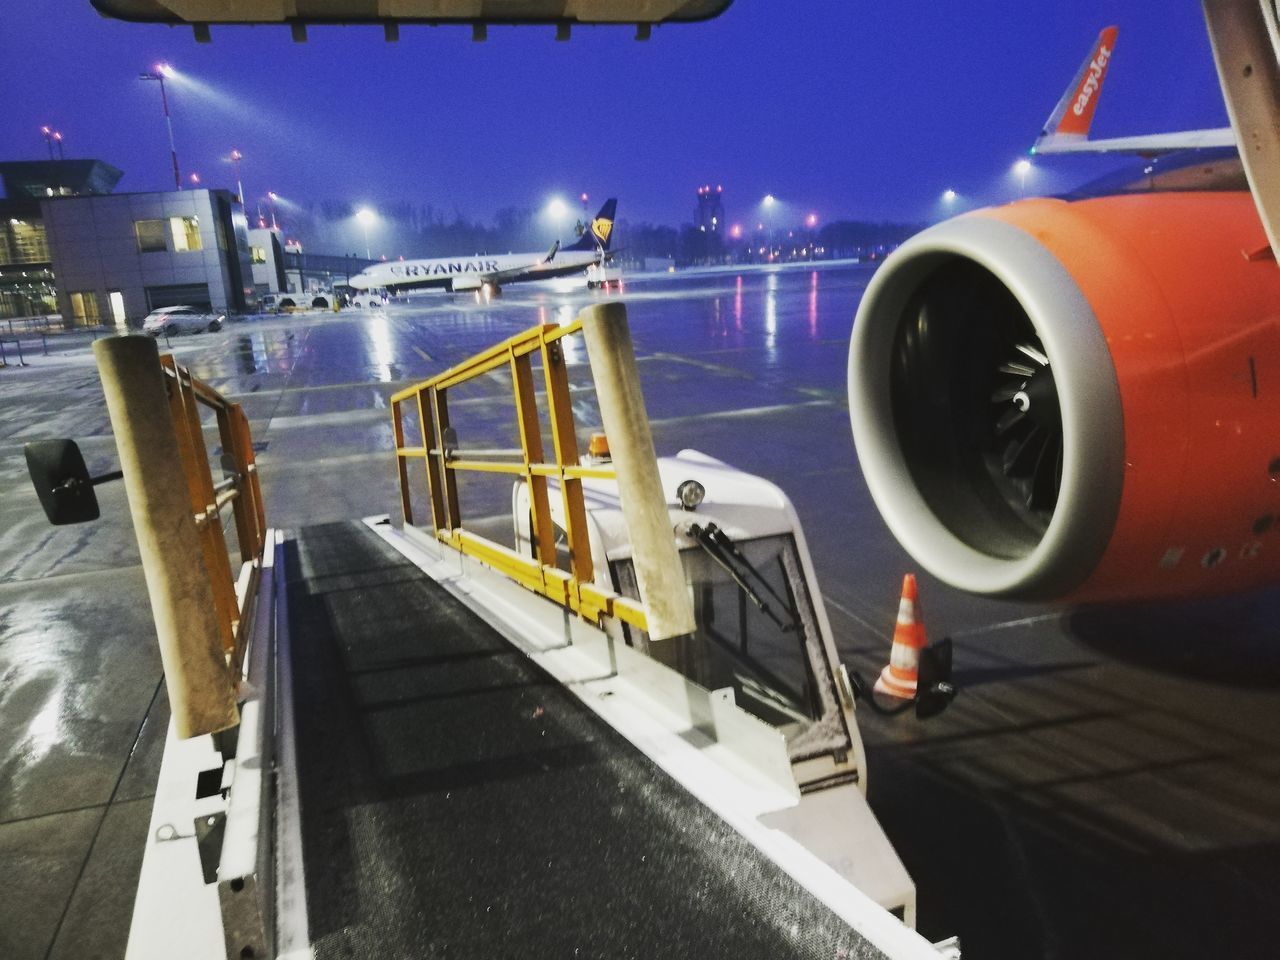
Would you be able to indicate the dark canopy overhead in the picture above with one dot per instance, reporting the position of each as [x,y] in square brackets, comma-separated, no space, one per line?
[411,11]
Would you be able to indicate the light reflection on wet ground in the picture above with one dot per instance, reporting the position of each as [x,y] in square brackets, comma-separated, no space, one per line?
[1108,784]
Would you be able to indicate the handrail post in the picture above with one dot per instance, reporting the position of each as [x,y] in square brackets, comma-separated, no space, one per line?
[659,573]
[182,598]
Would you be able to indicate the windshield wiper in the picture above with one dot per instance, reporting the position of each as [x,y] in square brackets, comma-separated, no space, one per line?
[723,541]
[706,540]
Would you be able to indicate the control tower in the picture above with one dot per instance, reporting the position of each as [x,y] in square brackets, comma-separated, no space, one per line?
[709,214]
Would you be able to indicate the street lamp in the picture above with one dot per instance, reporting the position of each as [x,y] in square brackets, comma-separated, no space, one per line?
[51,137]
[769,203]
[1022,168]
[948,196]
[195,181]
[158,73]
[366,217]
[236,157]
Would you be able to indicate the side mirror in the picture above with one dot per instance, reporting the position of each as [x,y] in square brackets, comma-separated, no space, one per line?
[62,481]
[935,691]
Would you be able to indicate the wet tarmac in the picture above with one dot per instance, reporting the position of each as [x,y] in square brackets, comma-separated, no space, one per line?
[1106,785]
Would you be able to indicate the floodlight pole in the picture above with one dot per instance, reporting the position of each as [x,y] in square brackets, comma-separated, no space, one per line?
[168,120]
[236,157]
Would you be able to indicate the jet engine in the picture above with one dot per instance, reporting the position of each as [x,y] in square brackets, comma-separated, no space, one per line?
[1078,399]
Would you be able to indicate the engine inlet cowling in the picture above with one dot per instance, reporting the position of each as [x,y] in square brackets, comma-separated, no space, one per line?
[986,411]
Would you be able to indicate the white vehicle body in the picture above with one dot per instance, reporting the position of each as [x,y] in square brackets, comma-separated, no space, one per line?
[280,302]
[816,717]
[181,319]
[367,300]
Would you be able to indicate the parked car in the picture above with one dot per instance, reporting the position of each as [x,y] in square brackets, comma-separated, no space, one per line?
[183,319]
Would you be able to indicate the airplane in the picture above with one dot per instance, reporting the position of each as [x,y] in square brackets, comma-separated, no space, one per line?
[1067,129]
[486,272]
[1075,398]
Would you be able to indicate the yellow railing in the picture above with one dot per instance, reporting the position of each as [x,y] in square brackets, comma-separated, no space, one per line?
[428,402]
[239,489]
[202,625]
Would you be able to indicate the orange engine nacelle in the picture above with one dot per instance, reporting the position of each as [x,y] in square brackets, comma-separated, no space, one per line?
[1078,399]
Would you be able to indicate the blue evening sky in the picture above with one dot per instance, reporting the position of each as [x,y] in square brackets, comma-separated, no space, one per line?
[847,108]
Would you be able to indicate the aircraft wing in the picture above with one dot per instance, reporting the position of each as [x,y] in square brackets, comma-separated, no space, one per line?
[526,271]
[1067,129]
[1148,145]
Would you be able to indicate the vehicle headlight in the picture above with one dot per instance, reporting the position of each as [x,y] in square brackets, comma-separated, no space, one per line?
[691,493]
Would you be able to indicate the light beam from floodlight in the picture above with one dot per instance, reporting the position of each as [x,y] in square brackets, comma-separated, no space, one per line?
[366,217]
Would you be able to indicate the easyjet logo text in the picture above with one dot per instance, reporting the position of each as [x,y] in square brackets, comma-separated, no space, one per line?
[1096,68]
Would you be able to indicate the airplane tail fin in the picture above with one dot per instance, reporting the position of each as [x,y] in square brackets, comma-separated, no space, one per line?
[599,231]
[1072,117]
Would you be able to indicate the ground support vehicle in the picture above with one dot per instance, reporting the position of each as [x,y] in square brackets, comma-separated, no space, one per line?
[763,644]
[402,745]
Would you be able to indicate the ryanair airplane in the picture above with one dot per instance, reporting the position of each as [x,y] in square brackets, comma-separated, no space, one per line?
[491,272]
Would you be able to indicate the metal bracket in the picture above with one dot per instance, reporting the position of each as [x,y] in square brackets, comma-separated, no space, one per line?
[209,831]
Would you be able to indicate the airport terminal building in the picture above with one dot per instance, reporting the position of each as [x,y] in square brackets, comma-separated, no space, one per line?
[76,248]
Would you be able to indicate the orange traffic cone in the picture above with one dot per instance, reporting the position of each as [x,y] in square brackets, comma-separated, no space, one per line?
[898,679]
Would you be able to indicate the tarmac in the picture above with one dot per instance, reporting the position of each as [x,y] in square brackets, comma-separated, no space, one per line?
[1107,784]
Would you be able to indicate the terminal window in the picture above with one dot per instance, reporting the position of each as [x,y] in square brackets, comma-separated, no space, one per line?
[23,242]
[84,306]
[150,234]
[186,233]
[259,254]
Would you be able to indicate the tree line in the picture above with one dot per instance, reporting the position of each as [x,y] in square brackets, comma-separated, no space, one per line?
[426,230]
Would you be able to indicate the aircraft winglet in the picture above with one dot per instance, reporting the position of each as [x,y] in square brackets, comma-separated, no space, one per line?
[1067,129]
[1072,117]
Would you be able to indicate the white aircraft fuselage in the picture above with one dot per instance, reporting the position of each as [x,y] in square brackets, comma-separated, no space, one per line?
[471,273]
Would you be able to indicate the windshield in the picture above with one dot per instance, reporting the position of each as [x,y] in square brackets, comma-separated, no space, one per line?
[770,664]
